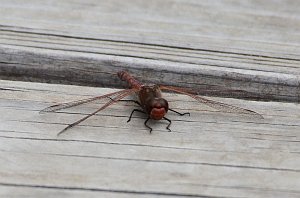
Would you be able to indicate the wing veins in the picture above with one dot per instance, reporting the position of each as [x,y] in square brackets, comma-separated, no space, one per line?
[114,100]
[60,106]
[214,104]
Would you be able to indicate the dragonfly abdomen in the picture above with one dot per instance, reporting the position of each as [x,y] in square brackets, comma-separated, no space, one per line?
[133,83]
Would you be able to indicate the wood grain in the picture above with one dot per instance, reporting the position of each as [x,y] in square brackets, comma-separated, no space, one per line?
[250,45]
[208,154]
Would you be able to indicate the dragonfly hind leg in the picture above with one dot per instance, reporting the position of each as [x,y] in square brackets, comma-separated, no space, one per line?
[181,114]
[134,101]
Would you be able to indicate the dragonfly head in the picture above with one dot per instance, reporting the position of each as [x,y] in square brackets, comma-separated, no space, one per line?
[158,107]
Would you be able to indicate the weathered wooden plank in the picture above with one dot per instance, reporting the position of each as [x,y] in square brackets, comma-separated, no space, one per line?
[55,191]
[207,154]
[245,45]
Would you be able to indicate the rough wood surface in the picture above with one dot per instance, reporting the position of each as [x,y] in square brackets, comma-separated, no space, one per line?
[207,154]
[247,45]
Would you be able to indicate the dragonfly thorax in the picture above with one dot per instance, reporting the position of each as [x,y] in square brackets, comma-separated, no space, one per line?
[152,102]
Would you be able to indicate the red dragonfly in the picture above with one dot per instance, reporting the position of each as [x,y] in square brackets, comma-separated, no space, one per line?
[149,99]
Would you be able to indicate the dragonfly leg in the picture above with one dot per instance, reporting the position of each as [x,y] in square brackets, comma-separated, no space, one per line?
[182,114]
[134,110]
[145,123]
[134,101]
[168,124]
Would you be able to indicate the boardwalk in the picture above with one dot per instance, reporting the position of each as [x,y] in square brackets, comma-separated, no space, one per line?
[208,153]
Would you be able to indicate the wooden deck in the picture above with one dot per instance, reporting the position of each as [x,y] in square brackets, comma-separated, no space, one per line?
[249,45]
[207,154]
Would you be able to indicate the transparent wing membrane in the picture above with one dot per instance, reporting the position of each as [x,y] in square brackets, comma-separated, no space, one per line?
[214,104]
[111,98]
[57,107]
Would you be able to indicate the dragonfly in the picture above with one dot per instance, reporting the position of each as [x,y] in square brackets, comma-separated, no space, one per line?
[150,101]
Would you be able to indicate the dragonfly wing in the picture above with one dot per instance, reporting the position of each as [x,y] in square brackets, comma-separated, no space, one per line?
[112,100]
[214,104]
[57,107]
[217,90]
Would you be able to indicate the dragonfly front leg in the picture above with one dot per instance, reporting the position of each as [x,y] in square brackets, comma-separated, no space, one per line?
[168,124]
[181,114]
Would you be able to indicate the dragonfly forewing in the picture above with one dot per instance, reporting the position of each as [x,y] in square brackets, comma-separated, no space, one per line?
[112,99]
[214,104]
[108,97]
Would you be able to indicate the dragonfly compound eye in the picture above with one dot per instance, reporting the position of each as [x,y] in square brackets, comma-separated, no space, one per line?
[159,108]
